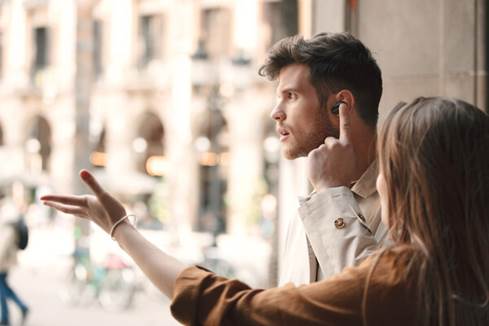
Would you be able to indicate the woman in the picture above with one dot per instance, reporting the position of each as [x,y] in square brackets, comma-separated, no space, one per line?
[434,189]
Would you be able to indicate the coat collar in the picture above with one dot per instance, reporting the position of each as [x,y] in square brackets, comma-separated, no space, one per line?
[365,186]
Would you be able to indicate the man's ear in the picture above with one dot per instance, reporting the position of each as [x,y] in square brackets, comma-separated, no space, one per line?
[345,96]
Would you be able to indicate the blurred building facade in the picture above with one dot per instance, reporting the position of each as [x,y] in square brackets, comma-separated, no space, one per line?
[175,96]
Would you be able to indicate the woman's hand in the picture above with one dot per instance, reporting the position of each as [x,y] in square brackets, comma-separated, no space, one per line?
[103,209]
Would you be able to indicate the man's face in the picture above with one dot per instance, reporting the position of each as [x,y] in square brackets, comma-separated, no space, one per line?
[300,121]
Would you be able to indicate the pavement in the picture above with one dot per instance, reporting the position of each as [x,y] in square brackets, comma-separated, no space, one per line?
[41,289]
[40,279]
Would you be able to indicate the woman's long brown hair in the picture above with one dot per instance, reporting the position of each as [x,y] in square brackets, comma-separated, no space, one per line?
[434,156]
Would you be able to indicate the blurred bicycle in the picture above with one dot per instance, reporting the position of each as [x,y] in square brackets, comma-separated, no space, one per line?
[214,261]
[113,284]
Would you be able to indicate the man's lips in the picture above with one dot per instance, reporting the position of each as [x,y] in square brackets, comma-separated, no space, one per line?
[283,133]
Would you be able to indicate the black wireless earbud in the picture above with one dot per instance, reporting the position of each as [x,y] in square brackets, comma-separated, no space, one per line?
[336,107]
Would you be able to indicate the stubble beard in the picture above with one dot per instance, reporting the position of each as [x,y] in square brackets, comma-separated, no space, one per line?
[315,138]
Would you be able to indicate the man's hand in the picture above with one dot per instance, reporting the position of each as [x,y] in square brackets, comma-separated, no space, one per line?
[103,209]
[333,164]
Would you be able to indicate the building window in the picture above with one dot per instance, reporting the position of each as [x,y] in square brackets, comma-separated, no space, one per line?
[149,145]
[97,48]
[216,32]
[151,34]
[282,19]
[213,149]
[41,48]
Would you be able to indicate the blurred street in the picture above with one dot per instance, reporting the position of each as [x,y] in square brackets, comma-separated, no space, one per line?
[40,280]
[42,275]
[41,288]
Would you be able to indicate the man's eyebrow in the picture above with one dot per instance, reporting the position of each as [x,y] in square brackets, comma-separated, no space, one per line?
[287,89]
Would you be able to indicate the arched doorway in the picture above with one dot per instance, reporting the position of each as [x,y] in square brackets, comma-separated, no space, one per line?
[38,145]
[149,145]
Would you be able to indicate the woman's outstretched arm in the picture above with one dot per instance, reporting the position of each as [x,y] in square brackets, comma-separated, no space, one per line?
[106,211]
[161,268]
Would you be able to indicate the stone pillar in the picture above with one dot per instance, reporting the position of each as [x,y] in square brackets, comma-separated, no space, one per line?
[15,77]
[327,16]
[61,100]
[458,46]
[423,52]
[182,172]
[246,26]
[16,62]
[83,88]
[245,162]
[122,47]
[121,128]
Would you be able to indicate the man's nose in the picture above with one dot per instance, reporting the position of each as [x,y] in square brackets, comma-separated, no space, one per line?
[277,113]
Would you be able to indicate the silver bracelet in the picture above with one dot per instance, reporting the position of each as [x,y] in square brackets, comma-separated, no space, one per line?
[116,224]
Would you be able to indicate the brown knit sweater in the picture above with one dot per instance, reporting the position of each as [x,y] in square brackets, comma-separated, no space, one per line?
[203,298]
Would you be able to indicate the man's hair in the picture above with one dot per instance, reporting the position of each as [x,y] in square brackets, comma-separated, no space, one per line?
[336,61]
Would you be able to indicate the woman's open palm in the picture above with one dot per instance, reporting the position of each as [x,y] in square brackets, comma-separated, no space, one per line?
[101,208]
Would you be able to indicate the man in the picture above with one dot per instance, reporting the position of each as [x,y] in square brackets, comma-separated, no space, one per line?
[319,78]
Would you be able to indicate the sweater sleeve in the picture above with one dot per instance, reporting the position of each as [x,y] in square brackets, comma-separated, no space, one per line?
[203,298]
[378,290]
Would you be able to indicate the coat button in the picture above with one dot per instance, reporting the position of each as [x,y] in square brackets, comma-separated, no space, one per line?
[339,223]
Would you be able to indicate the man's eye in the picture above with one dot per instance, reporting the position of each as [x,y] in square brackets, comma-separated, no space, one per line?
[291,96]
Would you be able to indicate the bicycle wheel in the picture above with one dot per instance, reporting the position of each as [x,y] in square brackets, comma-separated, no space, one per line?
[117,289]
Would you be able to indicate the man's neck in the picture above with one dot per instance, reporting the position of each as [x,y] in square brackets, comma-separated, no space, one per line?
[364,145]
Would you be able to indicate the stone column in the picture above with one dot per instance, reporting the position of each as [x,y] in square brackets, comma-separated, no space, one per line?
[61,99]
[122,128]
[16,62]
[122,47]
[424,52]
[327,16]
[246,27]
[15,78]
[245,161]
[182,172]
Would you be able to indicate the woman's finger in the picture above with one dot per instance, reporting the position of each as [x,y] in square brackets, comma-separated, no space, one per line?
[91,182]
[74,210]
[62,199]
